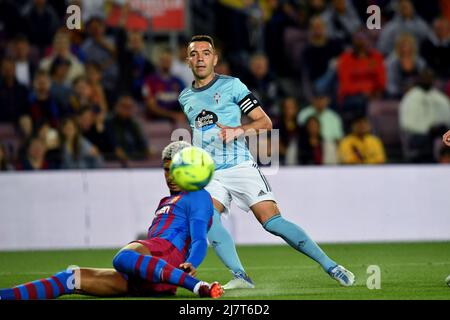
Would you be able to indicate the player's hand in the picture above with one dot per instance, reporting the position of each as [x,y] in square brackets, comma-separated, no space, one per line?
[189,268]
[228,134]
[446,138]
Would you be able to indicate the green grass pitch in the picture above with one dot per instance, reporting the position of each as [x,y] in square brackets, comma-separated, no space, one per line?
[408,270]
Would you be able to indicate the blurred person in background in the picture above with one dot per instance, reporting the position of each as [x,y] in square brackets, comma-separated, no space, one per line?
[446,138]
[405,21]
[223,67]
[289,131]
[42,106]
[34,159]
[100,49]
[26,65]
[180,67]
[51,140]
[360,146]
[82,96]
[92,127]
[331,127]
[436,49]
[403,66]
[313,149]
[59,89]
[342,20]
[134,65]
[5,163]
[125,135]
[317,54]
[424,116]
[94,80]
[263,84]
[13,95]
[61,49]
[361,75]
[161,90]
[444,155]
[77,151]
[41,22]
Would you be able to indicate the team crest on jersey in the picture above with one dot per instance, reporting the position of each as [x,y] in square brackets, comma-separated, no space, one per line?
[216,97]
[163,210]
[205,120]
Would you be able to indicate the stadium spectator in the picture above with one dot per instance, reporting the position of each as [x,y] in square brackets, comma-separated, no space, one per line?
[59,89]
[34,158]
[403,66]
[134,66]
[317,54]
[41,23]
[13,95]
[424,116]
[5,164]
[222,67]
[52,142]
[77,152]
[42,106]
[124,133]
[405,21]
[25,133]
[361,75]
[61,49]
[12,22]
[180,67]
[444,155]
[331,127]
[360,146]
[92,127]
[436,49]
[342,20]
[161,91]
[100,49]
[289,131]
[263,84]
[26,64]
[82,96]
[94,80]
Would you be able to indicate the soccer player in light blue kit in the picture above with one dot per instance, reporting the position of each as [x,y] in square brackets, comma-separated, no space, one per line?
[213,106]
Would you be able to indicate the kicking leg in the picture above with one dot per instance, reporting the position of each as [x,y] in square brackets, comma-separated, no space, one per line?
[225,248]
[136,260]
[269,216]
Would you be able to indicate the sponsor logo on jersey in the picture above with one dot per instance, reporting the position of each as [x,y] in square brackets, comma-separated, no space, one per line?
[205,120]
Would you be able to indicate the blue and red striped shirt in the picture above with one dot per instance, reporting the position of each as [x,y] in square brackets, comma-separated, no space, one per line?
[184,219]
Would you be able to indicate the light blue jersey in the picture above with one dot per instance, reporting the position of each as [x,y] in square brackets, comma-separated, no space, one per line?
[223,100]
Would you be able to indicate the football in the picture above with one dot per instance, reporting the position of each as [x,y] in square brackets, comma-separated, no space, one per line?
[192,168]
[447,280]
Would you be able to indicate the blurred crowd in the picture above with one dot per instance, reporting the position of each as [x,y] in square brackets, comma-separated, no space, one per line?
[107,95]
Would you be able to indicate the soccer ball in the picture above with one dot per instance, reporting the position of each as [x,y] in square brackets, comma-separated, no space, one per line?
[447,280]
[192,168]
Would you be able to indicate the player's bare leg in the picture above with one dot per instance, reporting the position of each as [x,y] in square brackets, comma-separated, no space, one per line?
[269,216]
[225,248]
[100,282]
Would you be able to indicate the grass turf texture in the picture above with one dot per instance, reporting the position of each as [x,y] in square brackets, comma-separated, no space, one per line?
[408,270]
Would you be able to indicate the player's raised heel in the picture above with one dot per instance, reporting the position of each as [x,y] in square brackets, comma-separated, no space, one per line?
[240,281]
[342,275]
[213,290]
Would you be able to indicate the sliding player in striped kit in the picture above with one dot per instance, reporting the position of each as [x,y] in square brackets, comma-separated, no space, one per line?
[175,247]
[214,105]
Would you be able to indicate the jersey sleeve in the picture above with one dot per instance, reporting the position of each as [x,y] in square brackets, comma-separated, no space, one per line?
[243,97]
[200,212]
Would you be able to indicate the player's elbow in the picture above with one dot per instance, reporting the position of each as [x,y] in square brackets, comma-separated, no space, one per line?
[268,123]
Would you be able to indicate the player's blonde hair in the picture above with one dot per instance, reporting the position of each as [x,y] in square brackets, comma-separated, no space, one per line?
[171,149]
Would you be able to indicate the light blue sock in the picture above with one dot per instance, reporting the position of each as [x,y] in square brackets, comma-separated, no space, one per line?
[297,238]
[223,244]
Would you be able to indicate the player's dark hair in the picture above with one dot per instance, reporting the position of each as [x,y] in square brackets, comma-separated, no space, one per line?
[202,37]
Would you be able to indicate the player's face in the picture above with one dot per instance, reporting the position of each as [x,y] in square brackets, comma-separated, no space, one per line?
[169,180]
[201,59]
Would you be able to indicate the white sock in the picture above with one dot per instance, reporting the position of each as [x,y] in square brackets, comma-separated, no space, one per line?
[197,286]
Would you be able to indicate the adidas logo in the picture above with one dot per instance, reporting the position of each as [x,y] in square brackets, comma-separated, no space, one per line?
[190,109]
[261,193]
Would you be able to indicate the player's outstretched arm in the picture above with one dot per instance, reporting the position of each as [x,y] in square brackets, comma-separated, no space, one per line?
[446,138]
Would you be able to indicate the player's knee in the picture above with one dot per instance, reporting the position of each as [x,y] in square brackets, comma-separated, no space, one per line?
[274,224]
[121,260]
